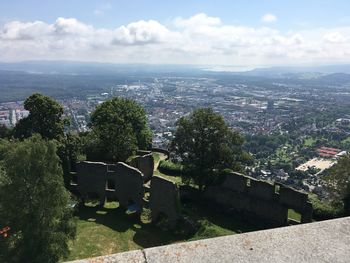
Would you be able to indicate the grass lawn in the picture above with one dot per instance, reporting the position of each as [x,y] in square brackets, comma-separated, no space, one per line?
[175,179]
[309,141]
[108,230]
[294,215]
[347,140]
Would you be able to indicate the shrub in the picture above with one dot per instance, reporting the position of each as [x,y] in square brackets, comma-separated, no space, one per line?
[323,210]
[170,168]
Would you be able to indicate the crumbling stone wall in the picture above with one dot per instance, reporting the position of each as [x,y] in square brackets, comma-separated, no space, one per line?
[129,185]
[260,199]
[126,184]
[164,200]
[145,163]
[93,179]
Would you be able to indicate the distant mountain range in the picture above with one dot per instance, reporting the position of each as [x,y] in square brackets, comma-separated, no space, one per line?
[335,72]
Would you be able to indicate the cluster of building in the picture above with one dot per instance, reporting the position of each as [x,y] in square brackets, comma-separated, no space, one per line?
[11,113]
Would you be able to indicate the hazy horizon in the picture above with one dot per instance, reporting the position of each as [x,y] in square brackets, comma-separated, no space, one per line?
[225,33]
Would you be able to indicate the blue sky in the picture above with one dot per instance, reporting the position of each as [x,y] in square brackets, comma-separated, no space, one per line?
[292,14]
[295,28]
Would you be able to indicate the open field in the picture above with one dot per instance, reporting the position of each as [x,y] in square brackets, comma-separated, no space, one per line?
[318,163]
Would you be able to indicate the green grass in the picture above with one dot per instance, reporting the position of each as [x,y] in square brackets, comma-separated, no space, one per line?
[347,140]
[175,179]
[156,157]
[309,141]
[292,214]
[108,230]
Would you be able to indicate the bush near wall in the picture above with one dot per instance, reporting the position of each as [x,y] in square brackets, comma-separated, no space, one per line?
[323,210]
[170,168]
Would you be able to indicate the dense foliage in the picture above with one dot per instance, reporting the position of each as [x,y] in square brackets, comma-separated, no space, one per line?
[206,145]
[4,132]
[45,118]
[34,203]
[340,181]
[323,210]
[170,168]
[119,128]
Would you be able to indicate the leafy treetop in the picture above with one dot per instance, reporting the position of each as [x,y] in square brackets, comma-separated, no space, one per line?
[45,118]
[119,128]
[206,145]
[34,203]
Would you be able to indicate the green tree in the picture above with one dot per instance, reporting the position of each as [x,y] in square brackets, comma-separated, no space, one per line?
[4,132]
[45,118]
[119,128]
[340,179]
[34,203]
[206,145]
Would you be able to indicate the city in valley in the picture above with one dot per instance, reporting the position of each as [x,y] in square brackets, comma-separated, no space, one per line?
[296,124]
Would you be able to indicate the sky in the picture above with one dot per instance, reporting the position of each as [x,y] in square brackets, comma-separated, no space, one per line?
[197,32]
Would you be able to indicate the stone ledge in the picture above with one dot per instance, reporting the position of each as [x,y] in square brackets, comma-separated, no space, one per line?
[327,241]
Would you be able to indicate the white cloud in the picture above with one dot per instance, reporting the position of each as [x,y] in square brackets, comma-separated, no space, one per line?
[335,37]
[141,32]
[197,20]
[269,18]
[199,39]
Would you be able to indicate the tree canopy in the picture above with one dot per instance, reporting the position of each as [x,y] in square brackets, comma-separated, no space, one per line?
[4,132]
[340,179]
[34,203]
[206,145]
[45,118]
[119,128]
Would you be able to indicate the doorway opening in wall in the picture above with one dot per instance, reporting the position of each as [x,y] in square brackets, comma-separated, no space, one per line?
[110,185]
[293,217]
[133,207]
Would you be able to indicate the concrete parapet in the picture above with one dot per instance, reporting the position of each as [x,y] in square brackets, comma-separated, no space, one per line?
[326,241]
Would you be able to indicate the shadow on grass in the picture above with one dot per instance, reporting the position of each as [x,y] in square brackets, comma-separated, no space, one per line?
[208,222]
[146,234]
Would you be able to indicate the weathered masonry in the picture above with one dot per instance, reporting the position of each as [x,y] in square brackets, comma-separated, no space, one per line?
[256,198]
[164,200]
[115,182]
[238,193]
[126,184]
[145,163]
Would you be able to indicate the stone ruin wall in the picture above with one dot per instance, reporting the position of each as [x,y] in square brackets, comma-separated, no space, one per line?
[164,200]
[238,193]
[145,163]
[115,182]
[125,184]
[256,198]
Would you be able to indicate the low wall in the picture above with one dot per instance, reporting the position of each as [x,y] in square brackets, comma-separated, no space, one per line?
[255,198]
[326,241]
[161,150]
